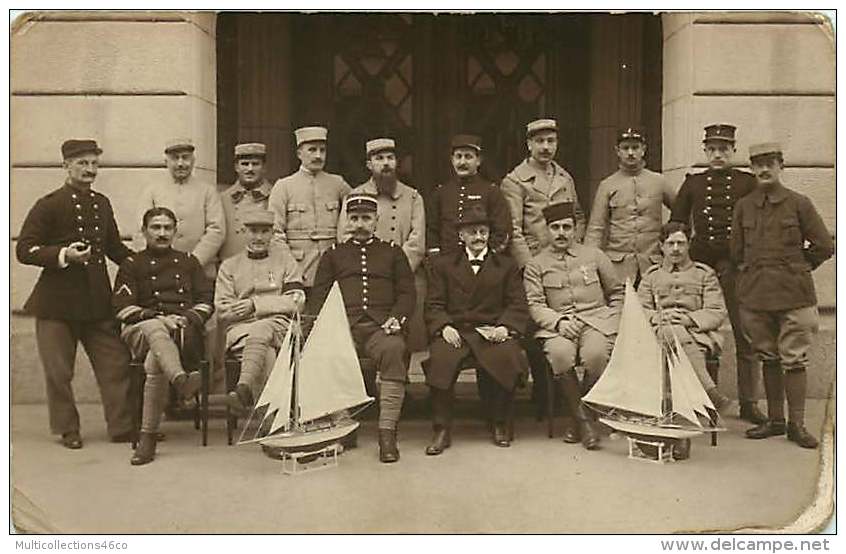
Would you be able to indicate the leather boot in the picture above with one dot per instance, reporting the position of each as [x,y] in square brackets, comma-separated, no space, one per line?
[798,434]
[388,451]
[721,402]
[774,389]
[146,450]
[571,429]
[770,428]
[441,440]
[240,400]
[750,412]
[569,387]
[795,387]
[188,384]
[501,437]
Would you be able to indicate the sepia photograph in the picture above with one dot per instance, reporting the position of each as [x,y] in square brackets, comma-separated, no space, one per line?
[422,272]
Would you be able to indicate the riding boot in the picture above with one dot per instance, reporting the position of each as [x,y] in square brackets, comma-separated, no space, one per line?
[774,389]
[795,385]
[568,385]
[146,450]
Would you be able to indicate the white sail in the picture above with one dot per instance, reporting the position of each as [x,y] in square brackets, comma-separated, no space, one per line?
[679,387]
[696,397]
[273,407]
[632,380]
[329,376]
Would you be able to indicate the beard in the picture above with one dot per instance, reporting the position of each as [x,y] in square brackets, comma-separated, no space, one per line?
[386,183]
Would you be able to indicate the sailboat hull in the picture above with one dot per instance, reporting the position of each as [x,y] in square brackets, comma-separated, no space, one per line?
[641,429]
[306,441]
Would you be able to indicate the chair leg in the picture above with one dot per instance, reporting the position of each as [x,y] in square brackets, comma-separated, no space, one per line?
[550,402]
[136,393]
[230,423]
[204,401]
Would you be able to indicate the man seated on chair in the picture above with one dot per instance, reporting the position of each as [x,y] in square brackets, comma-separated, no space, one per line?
[379,296]
[475,310]
[257,292]
[684,298]
[574,296]
[163,299]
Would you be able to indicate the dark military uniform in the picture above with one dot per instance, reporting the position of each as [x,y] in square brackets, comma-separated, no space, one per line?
[707,200]
[149,284]
[777,239]
[446,207]
[73,302]
[376,283]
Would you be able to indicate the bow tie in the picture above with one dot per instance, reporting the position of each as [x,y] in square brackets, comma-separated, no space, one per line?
[476,263]
[257,195]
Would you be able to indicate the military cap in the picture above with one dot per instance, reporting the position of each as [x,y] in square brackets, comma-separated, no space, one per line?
[379,144]
[765,149]
[631,133]
[469,141]
[76,147]
[720,131]
[473,214]
[559,211]
[258,217]
[359,202]
[541,125]
[250,149]
[178,144]
[311,134]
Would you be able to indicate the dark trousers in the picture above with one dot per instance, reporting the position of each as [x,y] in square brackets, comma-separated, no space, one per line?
[57,341]
[496,399]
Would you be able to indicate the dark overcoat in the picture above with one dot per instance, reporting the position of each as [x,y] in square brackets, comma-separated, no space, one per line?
[458,297]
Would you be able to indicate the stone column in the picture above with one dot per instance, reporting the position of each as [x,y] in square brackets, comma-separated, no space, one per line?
[773,75]
[130,80]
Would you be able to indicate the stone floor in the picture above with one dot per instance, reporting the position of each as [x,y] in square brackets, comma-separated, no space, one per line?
[538,485]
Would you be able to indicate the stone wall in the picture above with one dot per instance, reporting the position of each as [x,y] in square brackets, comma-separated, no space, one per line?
[130,80]
[773,75]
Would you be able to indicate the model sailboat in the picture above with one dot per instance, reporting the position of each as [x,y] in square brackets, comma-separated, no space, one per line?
[307,402]
[649,388]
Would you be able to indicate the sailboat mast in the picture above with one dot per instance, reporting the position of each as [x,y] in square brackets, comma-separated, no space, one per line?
[295,394]
[666,392]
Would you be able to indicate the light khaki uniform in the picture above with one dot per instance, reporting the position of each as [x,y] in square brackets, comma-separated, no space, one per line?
[306,209]
[200,223]
[237,202]
[527,194]
[579,284]
[626,220]
[274,285]
[695,289]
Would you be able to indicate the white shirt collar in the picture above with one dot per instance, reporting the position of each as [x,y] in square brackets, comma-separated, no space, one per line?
[481,255]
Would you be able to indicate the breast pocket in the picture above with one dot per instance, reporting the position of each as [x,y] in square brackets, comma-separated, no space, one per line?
[748,223]
[791,234]
[552,282]
[590,276]
[295,213]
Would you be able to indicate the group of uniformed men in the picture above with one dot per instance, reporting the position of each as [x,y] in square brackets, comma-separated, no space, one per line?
[515,277]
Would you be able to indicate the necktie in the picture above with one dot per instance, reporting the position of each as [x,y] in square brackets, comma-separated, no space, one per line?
[675,268]
[476,265]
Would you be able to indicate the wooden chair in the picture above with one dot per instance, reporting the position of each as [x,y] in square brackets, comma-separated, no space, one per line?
[137,378]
